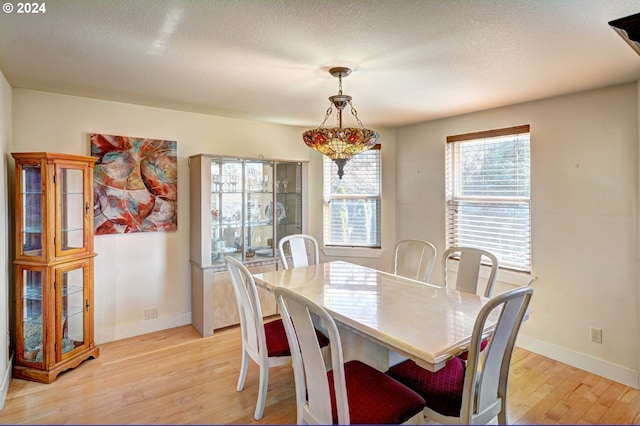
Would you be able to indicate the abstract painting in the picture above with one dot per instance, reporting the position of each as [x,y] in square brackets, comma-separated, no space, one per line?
[135,184]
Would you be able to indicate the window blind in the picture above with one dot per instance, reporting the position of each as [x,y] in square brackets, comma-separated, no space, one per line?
[488,194]
[353,203]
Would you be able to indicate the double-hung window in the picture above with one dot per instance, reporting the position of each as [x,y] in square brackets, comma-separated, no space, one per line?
[352,204]
[488,194]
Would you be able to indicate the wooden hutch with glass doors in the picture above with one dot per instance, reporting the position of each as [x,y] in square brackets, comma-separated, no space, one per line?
[53,264]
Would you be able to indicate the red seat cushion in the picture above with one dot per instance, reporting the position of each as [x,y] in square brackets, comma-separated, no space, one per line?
[464,355]
[277,344]
[441,390]
[374,397]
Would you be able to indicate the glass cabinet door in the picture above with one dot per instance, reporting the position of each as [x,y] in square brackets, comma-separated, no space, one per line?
[261,209]
[71,232]
[30,199]
[289,199]
[253,203]
[31,282]
[226,209]
[74,305]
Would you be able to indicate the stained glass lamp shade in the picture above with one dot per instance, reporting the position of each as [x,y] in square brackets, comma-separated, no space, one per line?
[340,143]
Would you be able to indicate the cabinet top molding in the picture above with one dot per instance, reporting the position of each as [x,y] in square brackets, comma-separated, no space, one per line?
[52,156]
[259,158]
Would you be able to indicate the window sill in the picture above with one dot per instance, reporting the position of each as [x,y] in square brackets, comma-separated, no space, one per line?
[520,279]
[351,252]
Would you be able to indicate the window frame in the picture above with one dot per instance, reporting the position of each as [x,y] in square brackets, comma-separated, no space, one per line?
[454,197]
[329,169]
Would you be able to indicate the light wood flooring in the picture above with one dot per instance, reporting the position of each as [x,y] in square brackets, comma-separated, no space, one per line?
[176,377]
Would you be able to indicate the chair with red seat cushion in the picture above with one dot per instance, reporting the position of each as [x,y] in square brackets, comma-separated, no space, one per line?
[351,392]
[442,389]
[474,393]
[265,343]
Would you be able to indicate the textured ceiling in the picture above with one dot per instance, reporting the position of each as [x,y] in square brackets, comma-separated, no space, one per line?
[413,60]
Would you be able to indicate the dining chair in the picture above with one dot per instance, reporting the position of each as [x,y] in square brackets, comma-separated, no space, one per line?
[468,275]
[414,259]
[264,343]
[304,250]
[351,392]
[475,392]
[469,269]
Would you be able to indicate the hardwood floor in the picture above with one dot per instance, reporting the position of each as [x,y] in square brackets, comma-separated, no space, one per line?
[176,377]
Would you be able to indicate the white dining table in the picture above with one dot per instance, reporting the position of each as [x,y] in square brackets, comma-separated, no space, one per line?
[384,318]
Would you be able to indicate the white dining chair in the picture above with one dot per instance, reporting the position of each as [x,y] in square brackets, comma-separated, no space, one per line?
[264,343]
[414,259]
[303,249]
[474,392]
[469,266]
[351,392]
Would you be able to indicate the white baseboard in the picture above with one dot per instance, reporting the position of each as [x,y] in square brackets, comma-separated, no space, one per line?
[142,327]
[608,370]
[6,381]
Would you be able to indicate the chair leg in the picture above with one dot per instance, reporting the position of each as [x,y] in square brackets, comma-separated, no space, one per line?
[262,391]
[244,366]
[502,417]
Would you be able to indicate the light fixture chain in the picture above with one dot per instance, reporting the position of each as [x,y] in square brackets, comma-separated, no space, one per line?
[355,114]
[329,111]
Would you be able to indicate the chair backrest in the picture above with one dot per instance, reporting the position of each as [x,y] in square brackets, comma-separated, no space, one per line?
[414,259]
[487,373]
[304,250]
[251,325]
[469,269]
[310,374]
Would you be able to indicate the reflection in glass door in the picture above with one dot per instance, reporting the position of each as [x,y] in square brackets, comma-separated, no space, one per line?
[73,207]
[73,304]
[31,196]
[32,326]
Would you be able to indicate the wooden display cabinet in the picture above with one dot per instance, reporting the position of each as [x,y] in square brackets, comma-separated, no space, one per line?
[54,264]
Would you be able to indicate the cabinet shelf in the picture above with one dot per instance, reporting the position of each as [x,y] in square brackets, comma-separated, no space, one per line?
[34,230]
[75,229]
[33,319]
[71,290]
[32,292]
[71,311]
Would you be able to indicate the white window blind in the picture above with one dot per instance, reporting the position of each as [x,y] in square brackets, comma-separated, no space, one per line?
[352,204]
[488,194]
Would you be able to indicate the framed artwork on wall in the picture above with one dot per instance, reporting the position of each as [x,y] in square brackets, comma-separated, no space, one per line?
[135,184]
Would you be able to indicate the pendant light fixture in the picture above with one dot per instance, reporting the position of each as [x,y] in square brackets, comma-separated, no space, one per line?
[340,143]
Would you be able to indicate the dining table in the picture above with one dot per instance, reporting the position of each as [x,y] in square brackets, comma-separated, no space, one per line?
[384,318]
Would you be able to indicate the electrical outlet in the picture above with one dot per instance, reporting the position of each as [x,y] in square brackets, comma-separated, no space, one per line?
[596,335]
[151,313]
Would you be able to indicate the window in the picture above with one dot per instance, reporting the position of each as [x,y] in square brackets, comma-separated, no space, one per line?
[488,194]
[352,204]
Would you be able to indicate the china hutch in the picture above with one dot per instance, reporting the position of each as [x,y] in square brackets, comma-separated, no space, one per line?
[53,264]
[240,207]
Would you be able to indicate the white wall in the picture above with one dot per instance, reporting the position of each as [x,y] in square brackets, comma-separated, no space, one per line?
[134,272]
[5,257]
[584,154]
